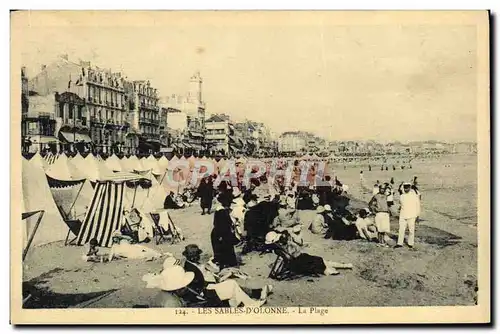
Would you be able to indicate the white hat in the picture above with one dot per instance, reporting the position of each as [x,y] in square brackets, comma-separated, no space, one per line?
[175,278]
[345,187]
[170,262]
[328,207]
[272,237]
[290,202]
[320,209]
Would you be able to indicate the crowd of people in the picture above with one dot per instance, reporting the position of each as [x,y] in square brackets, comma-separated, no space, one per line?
[263,216]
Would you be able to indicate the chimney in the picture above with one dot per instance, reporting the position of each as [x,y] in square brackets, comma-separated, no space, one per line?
[43,67]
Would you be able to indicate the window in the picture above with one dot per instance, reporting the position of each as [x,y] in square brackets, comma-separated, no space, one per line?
[70,115]
[61,110]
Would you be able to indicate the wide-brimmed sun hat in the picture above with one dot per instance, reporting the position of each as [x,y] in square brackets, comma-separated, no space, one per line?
[170,262]
[320,209]
[328,208]
[272,237]
[191,249]
[174,278]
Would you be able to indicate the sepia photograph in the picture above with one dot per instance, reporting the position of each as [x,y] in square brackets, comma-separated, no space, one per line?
[250,167]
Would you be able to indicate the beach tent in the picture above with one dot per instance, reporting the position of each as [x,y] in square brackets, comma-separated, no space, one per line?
[77,159]
[163,162]
[191,161]
[60,170]
[113,163]
[39,161]
[105,212]
[126,166]
[174,158]
[94,169]
[37,196]
[150,163]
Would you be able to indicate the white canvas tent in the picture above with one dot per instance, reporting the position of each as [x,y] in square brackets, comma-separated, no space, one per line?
[113,163]
[37,196]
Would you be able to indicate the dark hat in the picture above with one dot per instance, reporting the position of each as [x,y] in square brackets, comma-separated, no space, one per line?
[191,249]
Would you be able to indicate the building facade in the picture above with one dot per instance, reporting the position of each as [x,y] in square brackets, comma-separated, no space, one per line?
[143,117]
[292,142]
[102,92]
[217,135]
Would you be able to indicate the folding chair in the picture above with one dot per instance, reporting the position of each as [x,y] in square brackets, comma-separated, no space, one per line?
[159,232]
[280,269]
[74,226]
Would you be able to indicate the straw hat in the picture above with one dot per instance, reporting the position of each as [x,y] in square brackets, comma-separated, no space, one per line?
[174,278]
[170,262]
[272,237]
[328,208]
[320,209]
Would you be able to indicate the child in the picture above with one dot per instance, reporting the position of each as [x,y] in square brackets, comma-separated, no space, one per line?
[92,255]
[364,224]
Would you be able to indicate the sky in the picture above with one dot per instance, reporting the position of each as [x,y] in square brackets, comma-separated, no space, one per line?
[341,81]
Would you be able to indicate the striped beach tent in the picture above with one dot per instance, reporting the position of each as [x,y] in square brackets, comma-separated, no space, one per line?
[104,215]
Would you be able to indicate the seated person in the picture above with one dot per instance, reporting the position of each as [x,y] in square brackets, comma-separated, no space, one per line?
[287,216]
[341,225]
[209,285]
[92,255]
[140,229]
[123,247]
[303,263]
[319,225]
[366,226]
[173,202]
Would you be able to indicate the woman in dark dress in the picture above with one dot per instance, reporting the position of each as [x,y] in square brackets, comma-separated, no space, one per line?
[206,194]
[303,263]
[222,236]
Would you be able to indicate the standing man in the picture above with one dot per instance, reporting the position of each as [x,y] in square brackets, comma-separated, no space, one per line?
[410,209]
[378,205]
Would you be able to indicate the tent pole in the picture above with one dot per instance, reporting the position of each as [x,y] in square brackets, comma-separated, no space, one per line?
[32,236]
[78,194]
[133,199]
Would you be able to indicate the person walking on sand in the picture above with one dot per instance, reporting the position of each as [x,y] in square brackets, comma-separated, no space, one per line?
[378,205]
[409,211]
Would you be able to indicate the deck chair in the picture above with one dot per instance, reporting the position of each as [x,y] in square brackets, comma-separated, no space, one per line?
[280,270]
[159,232]
[74,226]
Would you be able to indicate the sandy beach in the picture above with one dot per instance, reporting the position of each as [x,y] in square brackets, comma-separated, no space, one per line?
[441,271]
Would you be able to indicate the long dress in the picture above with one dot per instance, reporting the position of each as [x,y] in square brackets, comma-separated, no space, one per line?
[206,193]
[223,239]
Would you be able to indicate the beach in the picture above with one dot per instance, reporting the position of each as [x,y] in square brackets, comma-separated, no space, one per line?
[442,270]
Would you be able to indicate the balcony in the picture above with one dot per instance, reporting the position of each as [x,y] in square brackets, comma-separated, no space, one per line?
[151,136]
[98,121]
[37,115]
[146,120]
